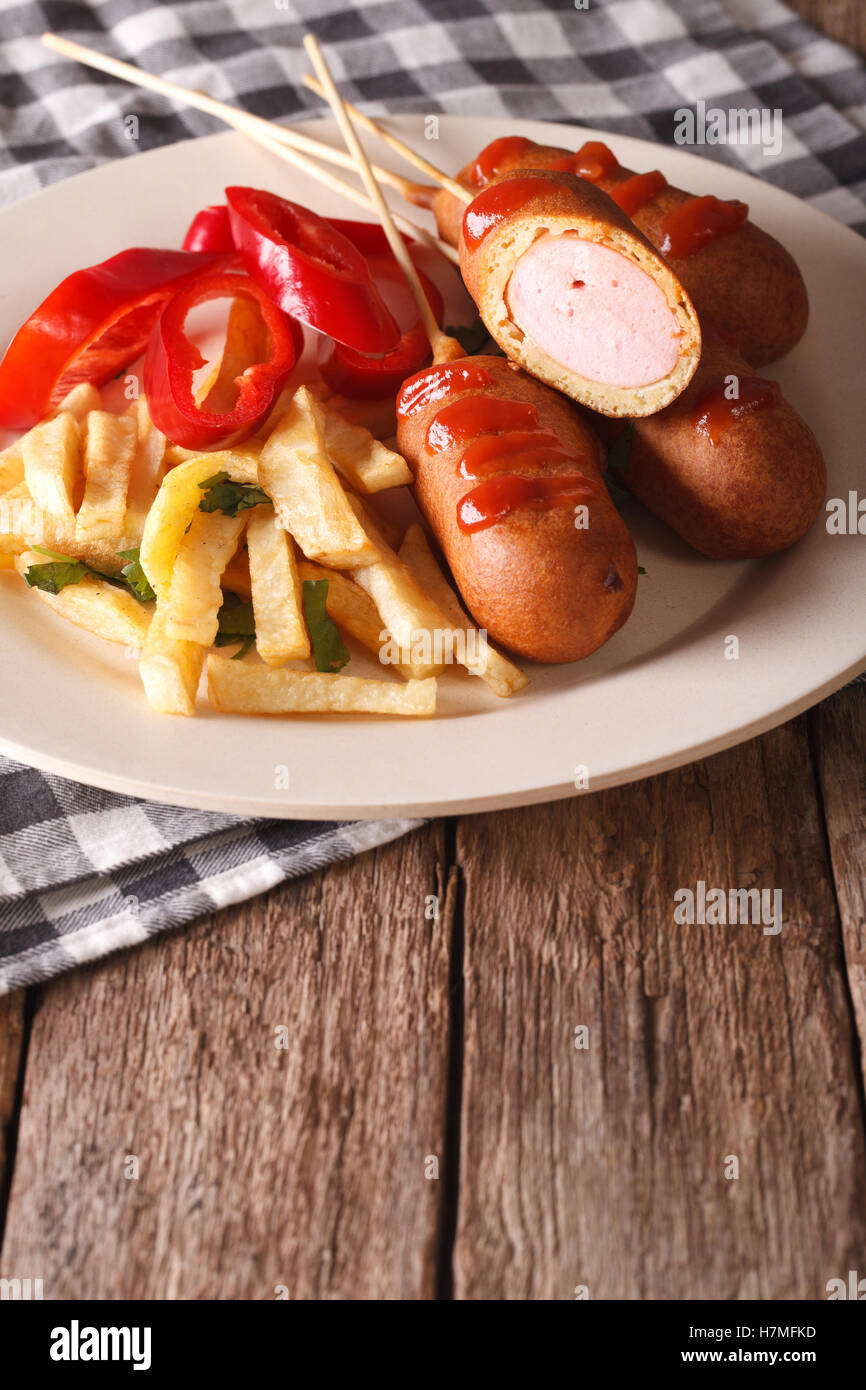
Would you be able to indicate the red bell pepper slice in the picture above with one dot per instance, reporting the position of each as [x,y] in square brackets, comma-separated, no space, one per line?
[89,328]
[365,377]
[369,237]
[310,269]
[210,230]
[172,360]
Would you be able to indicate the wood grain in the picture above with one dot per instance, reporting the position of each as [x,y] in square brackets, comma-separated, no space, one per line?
[11,1058]
[839,732]
[604,1168]
[844,20]
[259,1168]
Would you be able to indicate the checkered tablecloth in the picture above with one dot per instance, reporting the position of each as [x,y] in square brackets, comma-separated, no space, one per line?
[84,872]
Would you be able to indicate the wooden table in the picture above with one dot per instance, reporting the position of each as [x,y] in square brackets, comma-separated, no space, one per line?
[430,1127]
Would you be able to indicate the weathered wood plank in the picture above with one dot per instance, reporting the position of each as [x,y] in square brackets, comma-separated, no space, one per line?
[839,733]
[259,1167]
[11,1045]
[606,1167]
[843,20]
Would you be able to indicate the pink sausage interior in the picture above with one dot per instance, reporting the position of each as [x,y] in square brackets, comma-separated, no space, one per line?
[593,311]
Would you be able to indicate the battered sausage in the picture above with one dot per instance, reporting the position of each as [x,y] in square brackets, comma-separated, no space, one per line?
[745,280]
[551,584]
[755,490]
[573,293]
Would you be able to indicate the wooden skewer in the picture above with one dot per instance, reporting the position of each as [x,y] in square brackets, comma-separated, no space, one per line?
[285,144]
[222,110]
[394,143]
[354,195]
[444,349]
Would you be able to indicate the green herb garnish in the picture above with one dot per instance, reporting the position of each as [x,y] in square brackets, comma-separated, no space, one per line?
[329,650]
[64,570]
[54,577]
[135,576]
[222,495]
[236,624]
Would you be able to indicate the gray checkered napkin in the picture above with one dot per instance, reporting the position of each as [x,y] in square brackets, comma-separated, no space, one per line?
[84,872]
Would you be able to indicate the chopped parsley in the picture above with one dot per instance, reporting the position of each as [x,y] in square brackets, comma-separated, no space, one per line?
[222,495]
[135,576]
[329,650]
[63,570]
[236,624]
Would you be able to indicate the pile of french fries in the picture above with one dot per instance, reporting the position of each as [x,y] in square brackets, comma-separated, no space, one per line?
[91,485]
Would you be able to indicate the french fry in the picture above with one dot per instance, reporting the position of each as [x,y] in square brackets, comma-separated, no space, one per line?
[147,469]
[295,471]
[379,417]
[175,454]
[129,487]
[80,401]
[305,373]
[347,603]
[500,674]
[410,616]
[52,467]
[240,687]
[94,605]
[11,466]
[236,575]
[195,596]
[177,503]
[109,455]
[281,633]
[352,609]
[170,670]
[23,524]
[363,461]
[387,529]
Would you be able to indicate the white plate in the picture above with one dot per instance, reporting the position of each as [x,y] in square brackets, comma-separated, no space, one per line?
[658,695]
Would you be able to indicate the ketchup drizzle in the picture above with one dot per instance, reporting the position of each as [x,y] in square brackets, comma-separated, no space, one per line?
[528,447]
[497,203]
[688,227]
[636,192]
[715,412]
[494,155]
[696,223]
[503,436]
[472,416]
[496,497]
[595,161]
[433,383]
